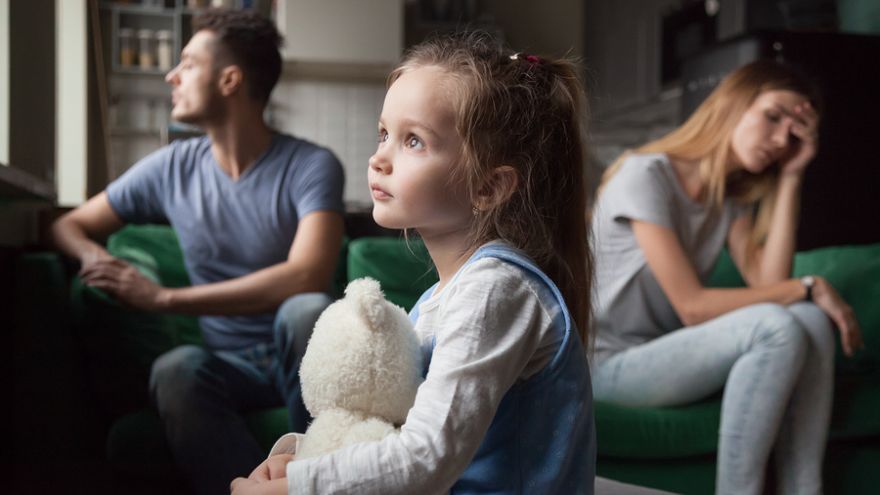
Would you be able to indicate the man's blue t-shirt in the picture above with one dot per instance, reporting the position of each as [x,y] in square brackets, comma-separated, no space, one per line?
[230,228]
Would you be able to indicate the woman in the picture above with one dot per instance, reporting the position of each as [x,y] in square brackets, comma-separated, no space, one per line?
[730,175]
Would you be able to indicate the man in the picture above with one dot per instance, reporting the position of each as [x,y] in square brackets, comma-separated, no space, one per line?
[258,216]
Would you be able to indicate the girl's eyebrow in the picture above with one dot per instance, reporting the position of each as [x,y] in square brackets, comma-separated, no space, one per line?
[414,123]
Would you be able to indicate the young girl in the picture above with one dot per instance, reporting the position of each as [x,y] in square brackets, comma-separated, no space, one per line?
[480,151]
[731,174]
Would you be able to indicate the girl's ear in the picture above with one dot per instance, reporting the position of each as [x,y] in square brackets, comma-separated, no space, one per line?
[498,188]
[230,80]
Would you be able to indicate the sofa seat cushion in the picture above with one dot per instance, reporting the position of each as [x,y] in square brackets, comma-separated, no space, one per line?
[691,430]
[403,268]
[657,432]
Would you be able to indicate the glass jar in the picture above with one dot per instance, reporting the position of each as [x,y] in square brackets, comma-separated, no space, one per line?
[126,47]
[146,49]
[163,49]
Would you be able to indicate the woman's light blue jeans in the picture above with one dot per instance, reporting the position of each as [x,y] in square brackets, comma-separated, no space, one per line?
[776,366]
[201,396]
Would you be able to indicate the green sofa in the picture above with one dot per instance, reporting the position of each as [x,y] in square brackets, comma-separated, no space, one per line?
[668,448]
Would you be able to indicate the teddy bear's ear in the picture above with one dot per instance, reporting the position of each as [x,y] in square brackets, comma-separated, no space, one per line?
[366,295]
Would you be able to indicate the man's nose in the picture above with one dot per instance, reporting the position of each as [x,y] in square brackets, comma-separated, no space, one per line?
[171,76]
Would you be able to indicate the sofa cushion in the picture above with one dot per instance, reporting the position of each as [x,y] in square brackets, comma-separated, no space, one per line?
[403,268]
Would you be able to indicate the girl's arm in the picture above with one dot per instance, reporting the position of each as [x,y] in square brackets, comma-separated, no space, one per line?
[695,304]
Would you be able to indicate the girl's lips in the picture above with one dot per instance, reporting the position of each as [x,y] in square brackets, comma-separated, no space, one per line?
[378,193]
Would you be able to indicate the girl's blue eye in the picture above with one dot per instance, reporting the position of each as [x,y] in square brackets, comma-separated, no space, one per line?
[383,135]
[414,142]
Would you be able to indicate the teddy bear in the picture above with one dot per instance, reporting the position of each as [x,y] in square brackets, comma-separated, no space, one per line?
[360,371]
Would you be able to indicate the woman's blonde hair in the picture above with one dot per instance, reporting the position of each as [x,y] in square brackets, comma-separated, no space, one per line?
[705,138]
[527,113]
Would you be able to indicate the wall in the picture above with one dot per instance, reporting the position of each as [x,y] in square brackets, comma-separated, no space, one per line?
[340,114]
[72,97]
[4,82]
[553,28]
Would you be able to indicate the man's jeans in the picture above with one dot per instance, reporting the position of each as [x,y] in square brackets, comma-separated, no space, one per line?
[775,364]
[201,396]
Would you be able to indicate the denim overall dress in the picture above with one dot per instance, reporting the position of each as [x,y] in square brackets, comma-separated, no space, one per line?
[542,439]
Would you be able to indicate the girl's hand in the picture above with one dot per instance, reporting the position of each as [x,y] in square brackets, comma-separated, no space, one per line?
[840,313]
[806,129]
[247,486]
[273,468]
[242,486]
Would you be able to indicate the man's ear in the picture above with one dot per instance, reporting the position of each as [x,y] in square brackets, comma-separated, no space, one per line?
[231,80]
[498,187]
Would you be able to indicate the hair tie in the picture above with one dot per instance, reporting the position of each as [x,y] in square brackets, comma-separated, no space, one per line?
[531,59]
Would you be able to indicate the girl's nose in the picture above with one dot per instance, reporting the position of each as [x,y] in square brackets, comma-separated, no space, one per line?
[380,163]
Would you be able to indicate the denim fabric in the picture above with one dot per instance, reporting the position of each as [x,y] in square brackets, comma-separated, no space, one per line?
[775,364]
[201,395]
[543,436]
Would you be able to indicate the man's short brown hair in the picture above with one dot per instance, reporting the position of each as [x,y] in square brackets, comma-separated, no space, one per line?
[251,42]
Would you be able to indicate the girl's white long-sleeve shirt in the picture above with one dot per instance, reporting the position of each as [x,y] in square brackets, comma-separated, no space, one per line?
[489,328]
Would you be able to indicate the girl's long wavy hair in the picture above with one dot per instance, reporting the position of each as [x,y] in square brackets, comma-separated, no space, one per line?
[528,113]
[705,138]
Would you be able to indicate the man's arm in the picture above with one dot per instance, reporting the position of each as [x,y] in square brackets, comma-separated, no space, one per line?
[76,233]
[308,268]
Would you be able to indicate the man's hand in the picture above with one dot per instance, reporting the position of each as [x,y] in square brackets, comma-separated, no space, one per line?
[125,282]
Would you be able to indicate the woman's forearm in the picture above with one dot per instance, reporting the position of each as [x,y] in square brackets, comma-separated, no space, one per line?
[710,303]
[778,251]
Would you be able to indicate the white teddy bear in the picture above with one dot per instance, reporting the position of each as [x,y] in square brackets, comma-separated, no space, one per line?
[360,372]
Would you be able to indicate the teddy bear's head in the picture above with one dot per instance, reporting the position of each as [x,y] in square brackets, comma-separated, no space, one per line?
[363,357]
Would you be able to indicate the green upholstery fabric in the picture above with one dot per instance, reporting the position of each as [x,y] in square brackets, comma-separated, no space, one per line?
[403,268]
[655,432]
[120,344]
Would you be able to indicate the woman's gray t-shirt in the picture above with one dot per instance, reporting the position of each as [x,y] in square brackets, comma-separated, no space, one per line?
[631,308]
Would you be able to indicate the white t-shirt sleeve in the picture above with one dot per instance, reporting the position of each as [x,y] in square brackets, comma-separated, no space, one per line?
[488,325]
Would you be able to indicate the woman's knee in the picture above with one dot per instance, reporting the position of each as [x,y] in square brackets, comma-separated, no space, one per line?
[778,327]
[817,327]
